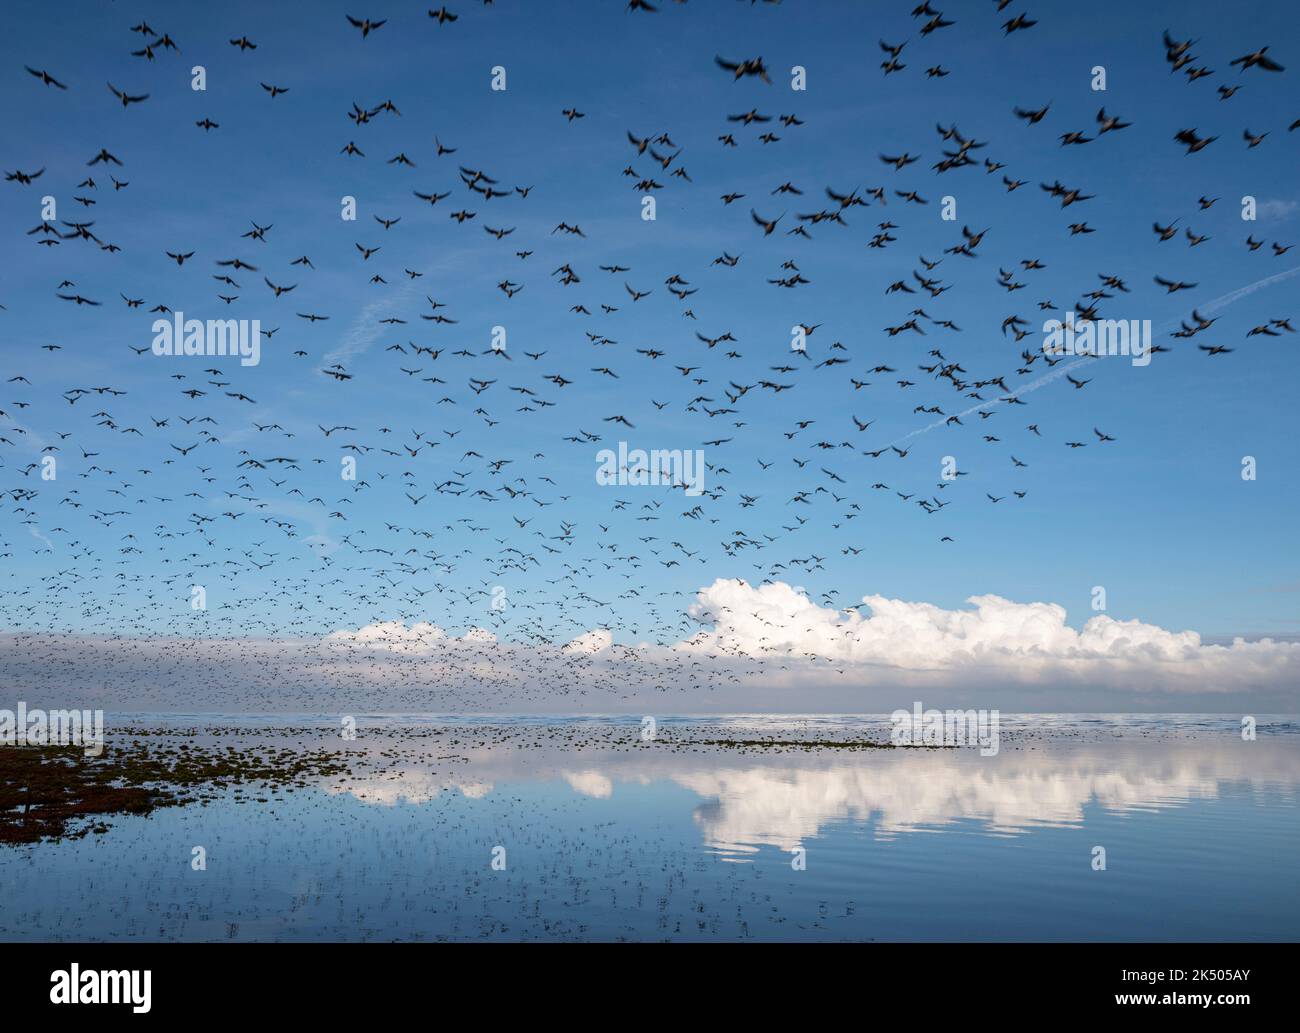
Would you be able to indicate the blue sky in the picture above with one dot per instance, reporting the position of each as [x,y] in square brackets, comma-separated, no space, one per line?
[1161,517]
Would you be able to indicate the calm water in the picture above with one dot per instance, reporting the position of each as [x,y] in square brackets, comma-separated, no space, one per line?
[608,837]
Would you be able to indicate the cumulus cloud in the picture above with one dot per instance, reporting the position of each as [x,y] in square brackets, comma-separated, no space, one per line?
[759,648]
[391,635]
[398,637]
[596,641]
[1023,642]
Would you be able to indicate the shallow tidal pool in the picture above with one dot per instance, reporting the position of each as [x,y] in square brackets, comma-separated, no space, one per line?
[749,827]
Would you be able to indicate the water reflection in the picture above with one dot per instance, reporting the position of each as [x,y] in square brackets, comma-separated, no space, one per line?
[612,838]
[787,798]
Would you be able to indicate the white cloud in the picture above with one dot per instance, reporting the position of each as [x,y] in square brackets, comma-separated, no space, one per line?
[1024,642]
[391,635]
[596,641]
[767,648]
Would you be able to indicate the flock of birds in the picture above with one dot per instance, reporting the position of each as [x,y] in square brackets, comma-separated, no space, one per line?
[271,521]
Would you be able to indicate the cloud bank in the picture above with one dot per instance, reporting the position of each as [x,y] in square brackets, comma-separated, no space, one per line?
[759,648]
[1021,642]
